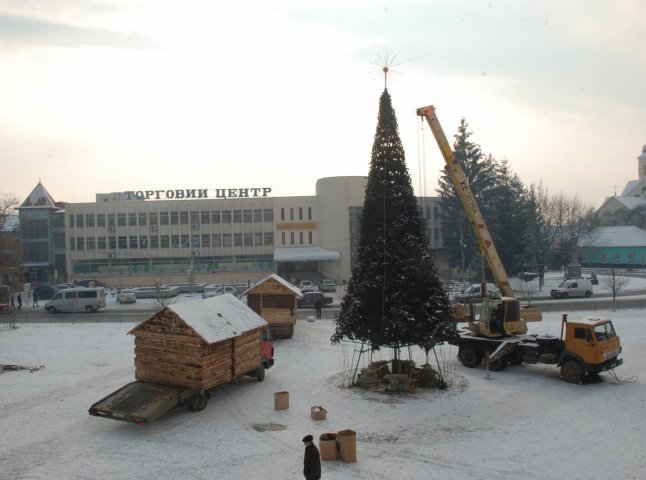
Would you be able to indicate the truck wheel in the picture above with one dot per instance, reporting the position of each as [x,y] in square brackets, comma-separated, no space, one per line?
[198,402]
[260,373]
[499,364]
[571,371]
[88,309]
[470,357]
[588,294]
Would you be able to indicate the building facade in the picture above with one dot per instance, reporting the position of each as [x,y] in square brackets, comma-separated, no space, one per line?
[139,238]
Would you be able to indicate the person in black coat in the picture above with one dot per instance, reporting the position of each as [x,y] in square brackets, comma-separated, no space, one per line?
[312,459]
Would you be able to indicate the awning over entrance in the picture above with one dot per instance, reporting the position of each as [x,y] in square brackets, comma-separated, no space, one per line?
[304,254]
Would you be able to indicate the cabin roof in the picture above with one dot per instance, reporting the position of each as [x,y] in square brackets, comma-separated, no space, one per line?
[282,281]
[216,318]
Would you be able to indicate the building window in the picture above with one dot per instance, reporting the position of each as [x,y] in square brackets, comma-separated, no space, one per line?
[165,241]
[309,213]
[174,218]
[215,217]
[195,218]
[291,238]
[247,216]
[257,239]
[300,213]
[282,237]
[89,219]
[100,243]
[617,258]
[226,239]
[79,221]
[111,219]
[80,243]
[134,244]
[237,239]
[143,241]
[268,215]
[309,237]
[206,241]
[91,243]
[174,241]
[154,241]
[183,218]
[248,239]
[123,243]
[216,241]
[195,241]
[72,243]
[257,216]
[269,238]
[237,216]
[282,214]
[185,241]
[112,241]
[72,221]
[291,214]
[143,219]
[163,218]
[132,219]
[153,218]
[226,217]
[300,238]
[121,219]
[205,217]
[100,220]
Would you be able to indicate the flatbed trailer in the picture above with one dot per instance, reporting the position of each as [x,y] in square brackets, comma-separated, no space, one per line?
[143,402]
[590,346]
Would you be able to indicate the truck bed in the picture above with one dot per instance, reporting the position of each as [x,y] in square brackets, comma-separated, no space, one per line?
[139,402]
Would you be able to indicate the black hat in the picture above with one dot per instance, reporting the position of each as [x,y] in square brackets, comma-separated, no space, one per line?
[308,438]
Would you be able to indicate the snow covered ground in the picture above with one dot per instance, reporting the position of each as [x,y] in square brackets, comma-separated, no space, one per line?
[523,422]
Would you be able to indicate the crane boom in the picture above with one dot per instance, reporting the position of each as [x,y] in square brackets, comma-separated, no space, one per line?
[461,185]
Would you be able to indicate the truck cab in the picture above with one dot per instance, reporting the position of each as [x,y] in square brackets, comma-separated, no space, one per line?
[591,346]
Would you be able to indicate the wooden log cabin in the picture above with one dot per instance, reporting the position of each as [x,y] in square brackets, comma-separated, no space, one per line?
[199,344]
[275,300]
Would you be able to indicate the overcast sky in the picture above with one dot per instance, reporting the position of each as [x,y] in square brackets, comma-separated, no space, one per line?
[105,96]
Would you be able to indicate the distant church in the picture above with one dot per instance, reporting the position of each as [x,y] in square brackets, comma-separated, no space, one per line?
[633,196]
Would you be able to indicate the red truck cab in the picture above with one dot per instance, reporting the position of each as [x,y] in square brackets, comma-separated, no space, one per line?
[266,348]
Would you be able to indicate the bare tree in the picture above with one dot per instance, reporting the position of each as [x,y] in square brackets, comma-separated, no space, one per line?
[527,288]
[572,219]
[615,284]
[10,253]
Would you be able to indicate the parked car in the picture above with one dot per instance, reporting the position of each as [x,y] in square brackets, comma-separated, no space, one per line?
[44,292]
[219,290]
[473,294]
[63,286]
[306,286]
[126,295]
[327,285]
[574,287]
[310,298]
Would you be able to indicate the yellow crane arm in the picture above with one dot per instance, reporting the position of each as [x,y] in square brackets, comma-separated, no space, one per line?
[469,203]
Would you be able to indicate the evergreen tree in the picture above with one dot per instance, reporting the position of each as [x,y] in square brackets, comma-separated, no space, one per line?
[394,297]
[480,172]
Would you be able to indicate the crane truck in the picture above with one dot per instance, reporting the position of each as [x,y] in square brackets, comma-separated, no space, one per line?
[499,335]
[498,317]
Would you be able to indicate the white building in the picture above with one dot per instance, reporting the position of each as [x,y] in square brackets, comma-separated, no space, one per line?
[220,236]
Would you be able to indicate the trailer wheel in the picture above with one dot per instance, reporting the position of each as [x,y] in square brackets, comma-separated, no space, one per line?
[470,357]
[88,309]
[571,371]
[260,373]
[198,402]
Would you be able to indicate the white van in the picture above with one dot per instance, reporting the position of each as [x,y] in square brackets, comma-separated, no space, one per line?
[574,287]
[76,300]
[473,294]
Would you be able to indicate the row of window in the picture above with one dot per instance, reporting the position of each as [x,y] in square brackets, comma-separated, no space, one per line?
[187,241]
[171,241]
[134,219]
[291,212]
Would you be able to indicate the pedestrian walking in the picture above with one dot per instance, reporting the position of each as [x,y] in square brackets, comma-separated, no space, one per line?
[317,308]
[35,302]
[19,301]
[311,460]
[13,301]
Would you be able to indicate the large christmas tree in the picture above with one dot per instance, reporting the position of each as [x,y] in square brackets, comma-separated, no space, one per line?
[394,297]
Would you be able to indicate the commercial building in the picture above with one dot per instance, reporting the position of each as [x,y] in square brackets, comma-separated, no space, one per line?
[221,235]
